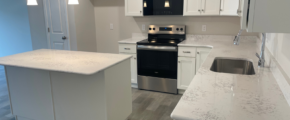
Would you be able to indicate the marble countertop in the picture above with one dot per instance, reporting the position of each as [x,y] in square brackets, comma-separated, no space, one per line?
[223,96]
[78,62]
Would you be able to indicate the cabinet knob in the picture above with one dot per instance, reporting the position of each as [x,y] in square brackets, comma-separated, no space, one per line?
[221,10]
[140,11]
[199,10]
[178,61]
[197,52]
[127,48]
[135,58]
[202,10]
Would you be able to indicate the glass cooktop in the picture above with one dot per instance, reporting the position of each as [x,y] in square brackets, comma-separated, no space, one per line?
[165,42]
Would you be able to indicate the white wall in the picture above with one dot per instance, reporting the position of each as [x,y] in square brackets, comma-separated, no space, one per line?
[37,26]
[85,26]
[278,45]
[113,11]
[14,27]
[81,26]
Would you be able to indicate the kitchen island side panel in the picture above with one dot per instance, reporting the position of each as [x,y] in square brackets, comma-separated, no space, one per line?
[30,93]
[79,97]
[118,91]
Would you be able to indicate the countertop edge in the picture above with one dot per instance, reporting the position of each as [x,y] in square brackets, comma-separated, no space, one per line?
[84,73]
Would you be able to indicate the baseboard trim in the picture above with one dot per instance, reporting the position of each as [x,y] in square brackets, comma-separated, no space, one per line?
[133,85]
[180,91]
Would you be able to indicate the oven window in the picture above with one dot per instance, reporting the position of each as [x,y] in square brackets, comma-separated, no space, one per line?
[161,64]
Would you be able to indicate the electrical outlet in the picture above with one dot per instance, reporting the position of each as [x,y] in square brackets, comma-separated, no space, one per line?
[203,28]
[143,27]
[111,26]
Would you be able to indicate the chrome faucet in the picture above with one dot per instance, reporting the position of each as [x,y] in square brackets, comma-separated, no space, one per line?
[262,54]
[237,38]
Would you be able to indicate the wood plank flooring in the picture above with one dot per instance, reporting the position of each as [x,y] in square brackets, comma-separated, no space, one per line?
[147,105]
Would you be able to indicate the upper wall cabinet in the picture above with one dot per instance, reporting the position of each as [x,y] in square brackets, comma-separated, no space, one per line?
[192,7]
[201,7]
[271,16]
[210,7]
[230,7]
[133,7]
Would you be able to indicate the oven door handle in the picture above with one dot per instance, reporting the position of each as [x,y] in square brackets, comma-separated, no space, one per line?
[159,48]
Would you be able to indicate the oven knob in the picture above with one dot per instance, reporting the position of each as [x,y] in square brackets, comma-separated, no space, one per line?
[153,28]
[181,29]
[149,28]
[177,29]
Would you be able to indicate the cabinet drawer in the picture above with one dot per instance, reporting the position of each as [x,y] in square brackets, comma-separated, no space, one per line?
[127,48]
[186,51]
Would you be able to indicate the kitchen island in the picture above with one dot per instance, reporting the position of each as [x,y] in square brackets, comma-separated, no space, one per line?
[224,96]
[68,85]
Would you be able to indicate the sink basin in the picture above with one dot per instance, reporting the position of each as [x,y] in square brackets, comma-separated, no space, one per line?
[233,65]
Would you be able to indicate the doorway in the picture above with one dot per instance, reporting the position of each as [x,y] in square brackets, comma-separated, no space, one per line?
[56,19]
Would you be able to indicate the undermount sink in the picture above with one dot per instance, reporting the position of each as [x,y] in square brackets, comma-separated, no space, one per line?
[233,65]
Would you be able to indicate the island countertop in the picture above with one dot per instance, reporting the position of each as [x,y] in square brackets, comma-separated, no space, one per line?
[78,62]
[223,96]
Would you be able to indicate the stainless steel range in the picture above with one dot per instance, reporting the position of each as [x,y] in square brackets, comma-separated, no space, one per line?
[157,58]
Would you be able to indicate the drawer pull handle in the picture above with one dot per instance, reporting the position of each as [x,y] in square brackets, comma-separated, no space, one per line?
[127,48]
[186,51]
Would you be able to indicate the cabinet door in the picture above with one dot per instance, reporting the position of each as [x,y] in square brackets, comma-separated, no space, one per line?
[244,13]
[201,55]
[210,7]
[133,67]
[186,71]
[241,5]
[229,7]
[191,7]
[133,7]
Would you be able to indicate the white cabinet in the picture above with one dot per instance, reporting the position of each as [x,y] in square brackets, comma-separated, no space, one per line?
[189,61]
[133,67]
[201,56]
[201,7]
[186,71]
[210,7]
[241,5]
[230,7]
[186,51]
[271,16]
[130,49]
[191,7]
[133,7]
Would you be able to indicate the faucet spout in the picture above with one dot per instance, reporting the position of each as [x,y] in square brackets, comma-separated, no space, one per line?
[262,54]
[237,38]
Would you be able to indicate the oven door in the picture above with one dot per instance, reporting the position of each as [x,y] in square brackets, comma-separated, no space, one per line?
[157,61]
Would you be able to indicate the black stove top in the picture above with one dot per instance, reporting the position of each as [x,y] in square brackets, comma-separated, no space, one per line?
[164,42]
[164,35]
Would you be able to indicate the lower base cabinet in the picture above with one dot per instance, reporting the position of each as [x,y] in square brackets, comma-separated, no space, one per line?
[186,71]
[133,69]
[201,55]
[189,61]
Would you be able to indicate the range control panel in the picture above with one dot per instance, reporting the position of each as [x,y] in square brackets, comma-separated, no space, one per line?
[167,29]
